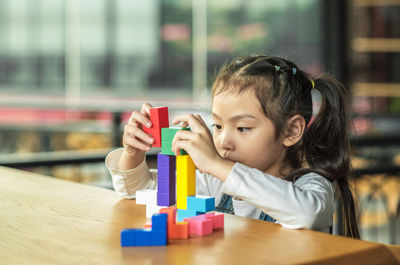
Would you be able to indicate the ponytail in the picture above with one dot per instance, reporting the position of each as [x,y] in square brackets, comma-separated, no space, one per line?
[329,153]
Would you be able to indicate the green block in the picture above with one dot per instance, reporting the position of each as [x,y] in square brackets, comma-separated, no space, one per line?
[167,135]
[166,148]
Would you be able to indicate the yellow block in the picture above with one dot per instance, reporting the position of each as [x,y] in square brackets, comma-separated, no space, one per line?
[185,180]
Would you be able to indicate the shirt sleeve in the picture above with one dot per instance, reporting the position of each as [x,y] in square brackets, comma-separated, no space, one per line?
[307,203]
[127,182]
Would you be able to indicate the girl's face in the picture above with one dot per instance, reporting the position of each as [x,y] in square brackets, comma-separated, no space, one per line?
[242,132]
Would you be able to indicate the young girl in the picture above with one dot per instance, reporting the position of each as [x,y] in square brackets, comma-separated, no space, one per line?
[267,158]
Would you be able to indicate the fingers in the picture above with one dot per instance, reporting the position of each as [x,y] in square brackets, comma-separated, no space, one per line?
[193,121]
[201,119]
[137,118]
[181,145]
[146,109]
[183,140]
[135,131]
[132,142]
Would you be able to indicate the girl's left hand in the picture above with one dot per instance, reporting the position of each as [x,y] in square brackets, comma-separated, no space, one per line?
[198,143]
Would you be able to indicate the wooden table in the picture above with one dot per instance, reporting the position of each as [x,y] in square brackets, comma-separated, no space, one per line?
[48,221]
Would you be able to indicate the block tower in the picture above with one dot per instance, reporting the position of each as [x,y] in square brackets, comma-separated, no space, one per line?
[176,184]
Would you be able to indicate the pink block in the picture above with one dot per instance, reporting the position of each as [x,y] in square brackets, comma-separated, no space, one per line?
[217,219]
[200,227]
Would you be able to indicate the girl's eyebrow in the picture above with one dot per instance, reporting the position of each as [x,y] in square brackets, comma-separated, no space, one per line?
[237,117]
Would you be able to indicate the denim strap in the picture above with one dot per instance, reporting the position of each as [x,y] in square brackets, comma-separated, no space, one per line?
[225,205]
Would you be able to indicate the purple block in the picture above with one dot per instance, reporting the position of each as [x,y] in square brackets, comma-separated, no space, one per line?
[166,161]
[165,199]
[165,186]
[166,173]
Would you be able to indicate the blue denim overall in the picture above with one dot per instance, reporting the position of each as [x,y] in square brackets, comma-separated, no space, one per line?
[225,205]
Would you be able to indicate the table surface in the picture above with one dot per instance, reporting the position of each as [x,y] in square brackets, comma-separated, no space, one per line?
[49,221]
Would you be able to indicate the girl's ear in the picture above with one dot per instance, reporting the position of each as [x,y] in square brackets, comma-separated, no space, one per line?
[295,127]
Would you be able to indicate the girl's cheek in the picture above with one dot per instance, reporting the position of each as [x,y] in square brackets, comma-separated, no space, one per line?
[215,139]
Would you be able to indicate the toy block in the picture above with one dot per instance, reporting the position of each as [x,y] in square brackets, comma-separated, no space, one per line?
[165,186]
[217,219]
[166,161]
[201,203]
[171,212]
[128,237]
[160,114]
[166,174]
[158,238]
[152,209]
[182,214]
[199,226]
[165,199]
[185,179]
[151,197]
[144,196]
[147,225]
[159,120]
[179,231]
[159,222]
[167,135]
[142,237]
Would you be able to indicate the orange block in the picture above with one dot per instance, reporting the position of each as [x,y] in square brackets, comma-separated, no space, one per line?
[171,211]
[147,225]
[179,230]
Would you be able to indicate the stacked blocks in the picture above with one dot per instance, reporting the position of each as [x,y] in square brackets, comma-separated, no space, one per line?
[186,180]
[159,119]
[166,180]
[191,214]
[149,198]
[196,205]
[167,135]
[156,236]
[182,214]
[176,230]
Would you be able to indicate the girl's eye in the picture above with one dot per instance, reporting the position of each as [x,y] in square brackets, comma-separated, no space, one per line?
[243,129]
[217,126]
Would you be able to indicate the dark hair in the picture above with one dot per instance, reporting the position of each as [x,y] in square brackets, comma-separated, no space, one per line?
[283,91]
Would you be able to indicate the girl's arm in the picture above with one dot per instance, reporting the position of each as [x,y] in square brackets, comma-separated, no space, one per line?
[307,203]
[127,182]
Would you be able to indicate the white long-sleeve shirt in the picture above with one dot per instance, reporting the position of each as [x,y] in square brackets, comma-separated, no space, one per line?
[309,202]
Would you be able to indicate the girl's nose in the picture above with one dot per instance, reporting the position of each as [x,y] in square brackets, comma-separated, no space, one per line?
[226,142]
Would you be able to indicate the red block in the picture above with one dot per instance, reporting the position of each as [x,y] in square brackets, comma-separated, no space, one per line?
[159,119]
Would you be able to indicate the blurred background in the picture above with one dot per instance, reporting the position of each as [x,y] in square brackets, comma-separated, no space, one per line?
[71,72]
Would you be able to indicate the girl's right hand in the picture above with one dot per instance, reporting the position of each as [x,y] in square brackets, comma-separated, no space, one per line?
[135,141]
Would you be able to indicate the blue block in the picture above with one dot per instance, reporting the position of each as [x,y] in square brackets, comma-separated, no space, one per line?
[128,237]
[182,214]
[142,237]
[159,238]
[159,222]
[201,203]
